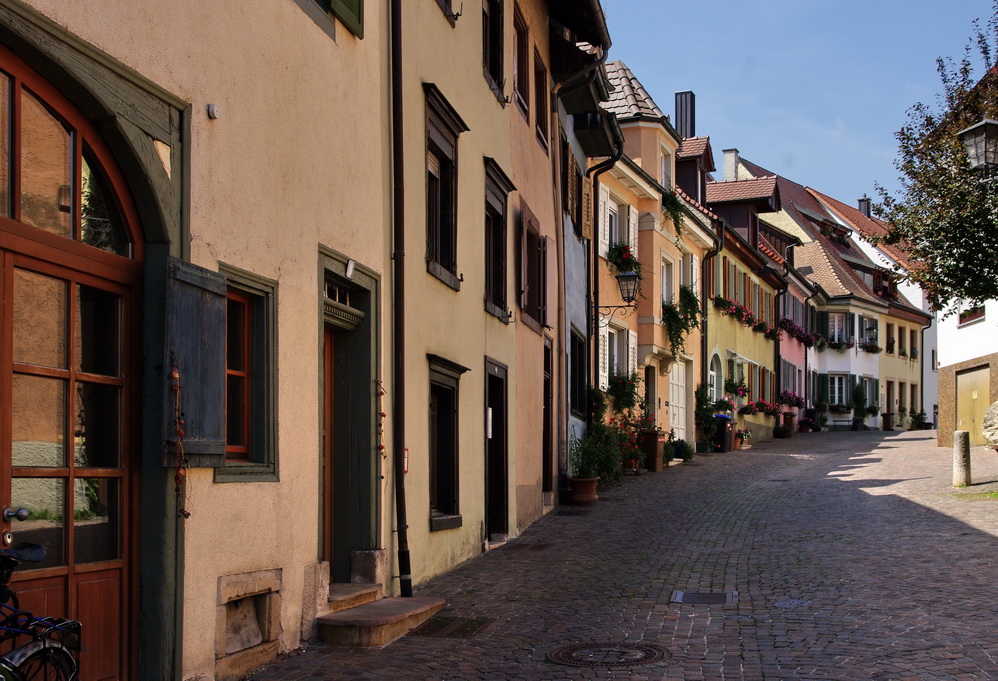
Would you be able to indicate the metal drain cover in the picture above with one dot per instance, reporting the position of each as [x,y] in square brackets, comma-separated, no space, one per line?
[792,603]
[704,599]
[607,656]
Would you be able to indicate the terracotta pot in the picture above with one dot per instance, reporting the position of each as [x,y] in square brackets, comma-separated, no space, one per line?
[583,491]
[738,443]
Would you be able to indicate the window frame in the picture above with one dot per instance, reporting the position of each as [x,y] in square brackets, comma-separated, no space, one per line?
[443,127]
[542,126]
[533,256]
[497,189]
[843,379]
[350,13]
[260,463]
[444,375]
[493,28]
[521,63]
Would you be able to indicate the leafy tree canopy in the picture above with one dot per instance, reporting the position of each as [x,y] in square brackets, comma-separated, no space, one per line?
[946,216]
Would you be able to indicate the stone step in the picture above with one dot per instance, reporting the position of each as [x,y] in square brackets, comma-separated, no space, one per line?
[378,623]
[346,596]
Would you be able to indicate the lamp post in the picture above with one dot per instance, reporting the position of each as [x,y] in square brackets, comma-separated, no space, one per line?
[981,141]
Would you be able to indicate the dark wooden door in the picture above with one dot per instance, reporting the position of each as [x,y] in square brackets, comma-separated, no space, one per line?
[326,521]
[496,501]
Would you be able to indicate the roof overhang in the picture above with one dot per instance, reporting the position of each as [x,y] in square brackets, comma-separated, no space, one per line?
[584,18]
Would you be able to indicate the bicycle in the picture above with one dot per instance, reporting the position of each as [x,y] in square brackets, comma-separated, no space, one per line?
[47,655]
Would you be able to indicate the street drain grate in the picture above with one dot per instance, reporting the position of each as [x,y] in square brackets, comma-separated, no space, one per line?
[792,603]
[526,546]
[688,597]
[573,512]
[440,626]
[607,656]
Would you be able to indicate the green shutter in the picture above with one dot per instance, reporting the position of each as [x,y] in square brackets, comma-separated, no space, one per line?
[351,13]
[851,330]
[874,399]
[823,383]
[823,326]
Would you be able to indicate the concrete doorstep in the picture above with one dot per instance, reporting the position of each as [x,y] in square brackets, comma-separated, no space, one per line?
[376,624]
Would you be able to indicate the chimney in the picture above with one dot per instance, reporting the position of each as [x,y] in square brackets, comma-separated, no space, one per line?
[864,205]
[686,114]
[730,164]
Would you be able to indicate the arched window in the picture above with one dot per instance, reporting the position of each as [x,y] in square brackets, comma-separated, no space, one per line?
[715,378]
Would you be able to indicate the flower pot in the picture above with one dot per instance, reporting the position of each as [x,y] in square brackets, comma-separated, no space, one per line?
[738,443]
[583,491]
[803,428]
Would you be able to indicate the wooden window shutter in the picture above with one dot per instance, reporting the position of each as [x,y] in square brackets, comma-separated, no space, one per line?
[586,190]
[351,13]
[604,359]
[851,329]
[823,388]
[604,220]
[875,397]
[521,282]
[725,283]
[548,281]
[632,351]
[195,345]
[851,388]
[632,230]
[822,320]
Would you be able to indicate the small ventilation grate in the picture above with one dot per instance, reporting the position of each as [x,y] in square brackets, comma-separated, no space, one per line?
[440,626]
[688,597]
[608,656]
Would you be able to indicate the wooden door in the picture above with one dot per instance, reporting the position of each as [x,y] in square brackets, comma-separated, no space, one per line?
[677,400]
[972,401]
[70,273]
[326,520]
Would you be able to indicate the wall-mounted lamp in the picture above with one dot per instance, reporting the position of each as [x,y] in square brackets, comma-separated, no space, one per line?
[981,141]
[628,284]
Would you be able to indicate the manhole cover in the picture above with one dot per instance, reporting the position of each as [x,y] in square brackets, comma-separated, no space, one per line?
[608,656]
[704,599]
[441,626]
[792,603]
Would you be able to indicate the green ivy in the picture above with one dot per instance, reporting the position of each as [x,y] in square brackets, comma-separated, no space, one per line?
[679,319]
[673,207]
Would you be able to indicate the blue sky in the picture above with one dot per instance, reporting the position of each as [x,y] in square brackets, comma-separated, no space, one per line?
[810,89]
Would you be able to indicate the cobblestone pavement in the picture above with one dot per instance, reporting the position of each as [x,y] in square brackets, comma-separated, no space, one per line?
[851,554]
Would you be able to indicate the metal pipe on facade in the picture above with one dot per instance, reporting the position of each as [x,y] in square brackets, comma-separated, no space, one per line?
[595,172]
[398,302]
[709,255]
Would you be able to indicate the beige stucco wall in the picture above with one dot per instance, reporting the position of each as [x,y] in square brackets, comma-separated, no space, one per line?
[439,320]
[288,165]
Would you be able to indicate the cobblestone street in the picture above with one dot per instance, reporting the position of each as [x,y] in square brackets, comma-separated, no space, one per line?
[851,555]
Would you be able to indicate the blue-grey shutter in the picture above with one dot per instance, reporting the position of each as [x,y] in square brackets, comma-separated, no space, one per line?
[195,345]
[874,399]
[351,13]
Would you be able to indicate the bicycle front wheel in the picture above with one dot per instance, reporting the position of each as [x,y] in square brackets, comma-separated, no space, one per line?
[48,664]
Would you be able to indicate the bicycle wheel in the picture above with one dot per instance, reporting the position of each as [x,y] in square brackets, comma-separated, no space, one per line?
[48,664]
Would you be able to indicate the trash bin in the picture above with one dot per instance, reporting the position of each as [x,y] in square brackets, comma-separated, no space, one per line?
[789,419]
[725,431]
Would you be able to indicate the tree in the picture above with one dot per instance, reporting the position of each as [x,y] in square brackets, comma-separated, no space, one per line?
[946,217]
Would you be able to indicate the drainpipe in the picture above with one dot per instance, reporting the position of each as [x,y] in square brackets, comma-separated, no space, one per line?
[595,172]
[921,368]
[398,302]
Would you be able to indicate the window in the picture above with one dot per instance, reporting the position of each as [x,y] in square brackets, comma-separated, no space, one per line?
[350,12]
[250,378]
[497,188]
[868,329]
[902,341]
[443,443]
[579,371]
[541,122]
[837,389]
[971,314]
[521,63]
[617,351]
[443,126]
[837,330]
[665,168]
[668,290]
[533,270]
[890,340]
[613,222]
[492,24]
[715,379]
[913,345]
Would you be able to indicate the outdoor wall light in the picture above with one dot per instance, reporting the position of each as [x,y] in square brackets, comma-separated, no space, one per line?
[981,140]
[628,284]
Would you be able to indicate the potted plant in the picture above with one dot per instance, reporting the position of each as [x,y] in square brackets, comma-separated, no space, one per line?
[703,417]
[724,405]
[742,435]
[805,425]
[781,432]
[748,409]
[623,390]
[858,406]
[587,459]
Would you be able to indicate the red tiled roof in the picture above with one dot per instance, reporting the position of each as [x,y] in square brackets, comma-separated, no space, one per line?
[866,225]
[693,147]
[629,98]
[696,204]
[741,190]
